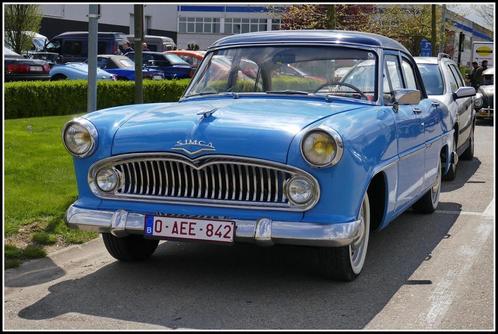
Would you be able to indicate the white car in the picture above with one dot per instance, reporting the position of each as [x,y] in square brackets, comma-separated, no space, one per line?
[445,85]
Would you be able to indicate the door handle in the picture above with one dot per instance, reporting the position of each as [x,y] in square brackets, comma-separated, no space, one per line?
[417,110]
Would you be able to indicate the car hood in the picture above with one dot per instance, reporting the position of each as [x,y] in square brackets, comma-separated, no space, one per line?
[487,90]
[254,127]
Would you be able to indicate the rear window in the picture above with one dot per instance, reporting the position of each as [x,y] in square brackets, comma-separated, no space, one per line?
[432,78]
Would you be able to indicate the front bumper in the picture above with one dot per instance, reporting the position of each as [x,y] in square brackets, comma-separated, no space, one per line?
[263,231]
[486,112]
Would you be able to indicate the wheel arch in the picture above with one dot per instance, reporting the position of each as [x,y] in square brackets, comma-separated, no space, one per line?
[378,196]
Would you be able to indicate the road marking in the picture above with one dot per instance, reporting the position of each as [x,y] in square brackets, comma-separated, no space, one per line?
[488,212]
[444,292]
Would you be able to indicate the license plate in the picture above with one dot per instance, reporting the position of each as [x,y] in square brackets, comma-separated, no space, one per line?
[190,228]
[157,77]
[36,68]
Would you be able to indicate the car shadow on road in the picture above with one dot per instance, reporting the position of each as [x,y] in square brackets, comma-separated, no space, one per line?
[465,170]
[204,286]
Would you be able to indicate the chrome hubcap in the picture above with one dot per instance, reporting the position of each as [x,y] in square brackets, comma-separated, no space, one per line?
[358,249]
[436,188]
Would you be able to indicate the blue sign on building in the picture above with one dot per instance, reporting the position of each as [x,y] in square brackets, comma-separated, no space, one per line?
[425,48]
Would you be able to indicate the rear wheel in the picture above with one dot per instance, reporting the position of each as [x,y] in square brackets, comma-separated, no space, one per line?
[468,154]
[129,248]
[345,263]
[451,174]
[58,77]
[429,202]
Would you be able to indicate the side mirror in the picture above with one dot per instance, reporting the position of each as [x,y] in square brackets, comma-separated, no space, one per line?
[464,92]
[406,96]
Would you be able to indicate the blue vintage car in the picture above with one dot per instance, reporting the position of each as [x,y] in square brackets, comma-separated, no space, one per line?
[76,71]
[254,154]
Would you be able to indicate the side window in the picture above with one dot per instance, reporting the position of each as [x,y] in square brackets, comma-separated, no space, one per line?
[409,75]
[101,62]
[101,47]
[131,56]
[453,81]
[54,46]
[392,77]
[72,48]
[457,75]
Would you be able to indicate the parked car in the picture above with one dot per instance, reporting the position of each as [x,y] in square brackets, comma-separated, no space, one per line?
[171,65]
[194,58]
[72,46]
[483,102]
[76,71]
[156,43]
[245,161]
[18,68]
[123,68]
[445,84]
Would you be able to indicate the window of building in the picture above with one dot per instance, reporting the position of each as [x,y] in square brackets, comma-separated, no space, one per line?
[239,25]
[199,25]
[276,24]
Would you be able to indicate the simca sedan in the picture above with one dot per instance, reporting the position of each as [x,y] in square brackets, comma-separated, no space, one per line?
[267,157]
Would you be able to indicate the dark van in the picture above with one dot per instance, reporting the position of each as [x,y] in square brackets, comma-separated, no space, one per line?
[72,46]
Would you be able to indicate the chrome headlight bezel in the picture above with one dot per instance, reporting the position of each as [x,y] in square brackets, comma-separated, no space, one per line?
[478,101]
[315,192]
[92,131]
[115,173]
[334,135]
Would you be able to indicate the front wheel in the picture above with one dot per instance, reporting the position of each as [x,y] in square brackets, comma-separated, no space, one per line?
[345,263]
[129,248]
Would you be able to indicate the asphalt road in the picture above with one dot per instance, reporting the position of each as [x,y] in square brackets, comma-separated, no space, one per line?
[422,272]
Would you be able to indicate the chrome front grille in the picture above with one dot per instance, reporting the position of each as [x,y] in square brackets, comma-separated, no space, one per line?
[212,180]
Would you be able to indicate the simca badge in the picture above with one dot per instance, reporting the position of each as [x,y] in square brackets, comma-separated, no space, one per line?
[193,146]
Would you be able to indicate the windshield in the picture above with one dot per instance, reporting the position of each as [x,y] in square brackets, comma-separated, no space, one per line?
[432,78]
[306,70]
[175,60]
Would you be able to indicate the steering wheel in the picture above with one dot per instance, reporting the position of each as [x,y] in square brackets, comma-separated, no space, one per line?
[336,83]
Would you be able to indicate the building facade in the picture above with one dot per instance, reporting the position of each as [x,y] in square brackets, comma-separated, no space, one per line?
[204,24]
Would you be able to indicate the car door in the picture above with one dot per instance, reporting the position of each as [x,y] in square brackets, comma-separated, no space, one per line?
[464,106]
[410,136]
[430,117]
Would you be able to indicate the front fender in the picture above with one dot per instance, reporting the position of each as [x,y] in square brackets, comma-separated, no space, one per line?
[369,138]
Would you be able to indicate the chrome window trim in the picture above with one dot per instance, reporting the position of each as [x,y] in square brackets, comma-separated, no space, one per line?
[335,135]
[213,160]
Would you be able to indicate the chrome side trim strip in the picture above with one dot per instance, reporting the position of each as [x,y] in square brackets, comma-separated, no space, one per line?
[263,231]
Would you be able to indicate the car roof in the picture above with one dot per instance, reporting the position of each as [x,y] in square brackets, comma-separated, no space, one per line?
[426,60]
[335,37]
[85,33]
[489,71]
[186,52]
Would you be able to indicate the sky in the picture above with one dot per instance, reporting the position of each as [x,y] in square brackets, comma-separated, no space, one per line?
[470,13]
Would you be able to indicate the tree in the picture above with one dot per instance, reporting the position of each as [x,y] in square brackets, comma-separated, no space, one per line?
[408,24]
[20,19]
[343,17]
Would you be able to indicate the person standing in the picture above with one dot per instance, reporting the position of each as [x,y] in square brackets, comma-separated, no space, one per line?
[472,75]
[480,69]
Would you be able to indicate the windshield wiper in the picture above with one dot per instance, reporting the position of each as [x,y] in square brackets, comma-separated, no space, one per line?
[287,91]
[234,95]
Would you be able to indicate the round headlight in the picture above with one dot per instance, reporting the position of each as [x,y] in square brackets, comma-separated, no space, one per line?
[478,102]
[79,137]
[300,190]
[107,179]
[321,147]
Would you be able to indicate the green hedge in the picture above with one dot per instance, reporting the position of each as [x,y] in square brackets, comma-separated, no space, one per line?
[44,98]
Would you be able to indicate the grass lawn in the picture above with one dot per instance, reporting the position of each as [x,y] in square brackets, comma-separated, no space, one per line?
[39,186]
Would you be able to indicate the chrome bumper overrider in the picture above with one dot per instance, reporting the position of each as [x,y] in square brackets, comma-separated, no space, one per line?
[264,231]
